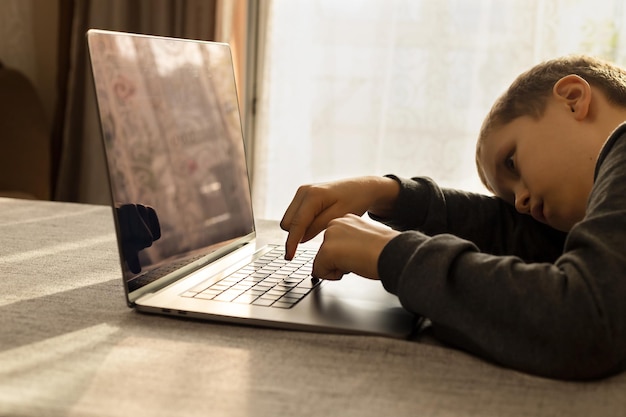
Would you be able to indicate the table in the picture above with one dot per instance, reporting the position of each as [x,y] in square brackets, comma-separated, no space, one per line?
[69,346]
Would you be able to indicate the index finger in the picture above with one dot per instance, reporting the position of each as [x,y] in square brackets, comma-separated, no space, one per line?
[292,210]
[297,220]
[296,226]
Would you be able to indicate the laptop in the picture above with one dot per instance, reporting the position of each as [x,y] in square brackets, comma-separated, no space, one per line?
[182,204]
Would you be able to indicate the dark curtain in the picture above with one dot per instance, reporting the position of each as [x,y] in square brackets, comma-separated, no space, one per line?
[78,167]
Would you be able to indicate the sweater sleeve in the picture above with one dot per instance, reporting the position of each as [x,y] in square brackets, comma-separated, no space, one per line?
[490,223]
[562,318]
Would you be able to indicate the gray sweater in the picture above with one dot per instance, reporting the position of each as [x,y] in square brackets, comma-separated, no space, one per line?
[512,290]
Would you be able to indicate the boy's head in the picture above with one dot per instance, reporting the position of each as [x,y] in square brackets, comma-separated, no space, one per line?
[538,145]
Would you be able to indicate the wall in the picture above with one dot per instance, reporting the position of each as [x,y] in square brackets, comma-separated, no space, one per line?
[28,42]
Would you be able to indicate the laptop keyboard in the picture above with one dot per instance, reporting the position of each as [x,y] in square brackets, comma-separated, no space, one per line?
[268,281]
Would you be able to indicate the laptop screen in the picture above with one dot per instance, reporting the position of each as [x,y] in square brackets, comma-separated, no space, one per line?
[175,154]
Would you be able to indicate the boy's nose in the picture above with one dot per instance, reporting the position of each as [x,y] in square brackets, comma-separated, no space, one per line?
[522,201]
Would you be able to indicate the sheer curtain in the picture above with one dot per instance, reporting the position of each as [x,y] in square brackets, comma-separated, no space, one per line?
[401,86]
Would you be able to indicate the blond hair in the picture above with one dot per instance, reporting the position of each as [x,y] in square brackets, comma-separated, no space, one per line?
[528,94]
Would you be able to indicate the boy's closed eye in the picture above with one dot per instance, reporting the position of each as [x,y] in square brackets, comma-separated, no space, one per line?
[509,163]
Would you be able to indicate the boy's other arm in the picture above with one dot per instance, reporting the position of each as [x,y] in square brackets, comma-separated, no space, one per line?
[490,223]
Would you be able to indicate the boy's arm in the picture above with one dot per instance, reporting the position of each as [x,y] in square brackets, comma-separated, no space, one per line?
[489,222]
[564,319]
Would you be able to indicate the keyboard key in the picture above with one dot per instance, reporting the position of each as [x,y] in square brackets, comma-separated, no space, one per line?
[263,286]
[282,304]
[262,302]
[245,298]
[189,294]
[276,292]
[272,297]
[204,296]
[291,299]
[219,286]
[299,291]
[285,286]
[241,287]
[308,283]
[228,295]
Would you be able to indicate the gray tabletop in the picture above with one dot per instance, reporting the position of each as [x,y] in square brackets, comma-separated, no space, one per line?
[69,346]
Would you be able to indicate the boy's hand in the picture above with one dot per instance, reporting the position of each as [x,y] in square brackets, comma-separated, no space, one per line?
[314,206]
[351,244]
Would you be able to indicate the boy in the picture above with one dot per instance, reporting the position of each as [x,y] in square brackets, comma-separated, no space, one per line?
[533,278]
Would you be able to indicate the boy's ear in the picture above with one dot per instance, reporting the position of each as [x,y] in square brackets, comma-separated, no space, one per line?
[575,93]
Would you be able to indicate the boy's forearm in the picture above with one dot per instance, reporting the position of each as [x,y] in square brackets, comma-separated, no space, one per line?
[540,318]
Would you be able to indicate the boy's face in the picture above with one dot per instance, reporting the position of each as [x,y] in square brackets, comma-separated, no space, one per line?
[543,167]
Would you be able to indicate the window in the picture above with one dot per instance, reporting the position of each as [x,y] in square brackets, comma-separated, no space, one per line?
[356,87]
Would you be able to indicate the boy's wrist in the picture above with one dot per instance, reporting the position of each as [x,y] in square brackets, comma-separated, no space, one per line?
[387,190]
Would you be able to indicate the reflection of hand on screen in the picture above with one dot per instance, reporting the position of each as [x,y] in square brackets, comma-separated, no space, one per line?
[139,227]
